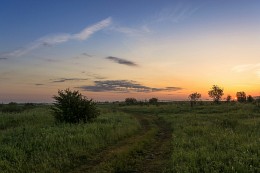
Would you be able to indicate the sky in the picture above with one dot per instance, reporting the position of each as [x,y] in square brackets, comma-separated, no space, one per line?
[113,49]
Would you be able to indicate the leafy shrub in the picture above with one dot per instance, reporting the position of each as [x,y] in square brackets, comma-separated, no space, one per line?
[241,96]
[73,107]
[228,99]
[153,101]
[130,101]
[250,99]
[193,98]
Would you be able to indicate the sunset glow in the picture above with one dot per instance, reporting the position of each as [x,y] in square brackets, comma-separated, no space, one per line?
[110,50]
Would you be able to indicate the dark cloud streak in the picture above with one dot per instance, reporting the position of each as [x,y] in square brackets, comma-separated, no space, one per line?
[51,60]
[86,54]
[123,86]
[60,80]
[121,61]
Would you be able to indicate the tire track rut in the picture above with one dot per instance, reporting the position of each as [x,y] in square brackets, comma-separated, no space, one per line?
[134,154]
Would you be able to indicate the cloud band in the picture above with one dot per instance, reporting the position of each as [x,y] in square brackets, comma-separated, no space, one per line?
[123,86]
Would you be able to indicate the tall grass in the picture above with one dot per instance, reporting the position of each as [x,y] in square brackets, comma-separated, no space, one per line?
[31,141]
[206,138]
[217,138]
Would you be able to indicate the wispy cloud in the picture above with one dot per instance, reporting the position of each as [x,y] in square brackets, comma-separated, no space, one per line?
[121,61]
[3,58]
[175,14]
[131,31]
[86,54]
[83,55]
[51,60]
[60,38]
[123,86]
[245,67]
[96,76]
[60,80]
[93,75]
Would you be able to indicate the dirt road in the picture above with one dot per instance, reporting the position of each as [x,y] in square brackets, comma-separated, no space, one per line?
[147,151]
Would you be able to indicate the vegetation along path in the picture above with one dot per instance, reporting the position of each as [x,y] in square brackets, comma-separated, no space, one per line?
[147,151]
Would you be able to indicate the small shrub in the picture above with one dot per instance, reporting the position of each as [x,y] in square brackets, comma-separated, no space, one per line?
[73,107]
[130,101]
[193,98]
[241,96]
[228,99]
[153,101]
[250,99]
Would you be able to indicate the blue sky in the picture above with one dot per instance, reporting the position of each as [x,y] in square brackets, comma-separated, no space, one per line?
[177,48]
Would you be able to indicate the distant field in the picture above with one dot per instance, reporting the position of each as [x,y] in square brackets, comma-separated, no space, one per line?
[166,138]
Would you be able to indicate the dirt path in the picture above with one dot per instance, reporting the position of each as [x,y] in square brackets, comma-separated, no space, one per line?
[148,151]
[158,156]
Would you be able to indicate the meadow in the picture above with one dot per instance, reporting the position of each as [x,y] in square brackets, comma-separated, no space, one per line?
[30,141]
[216,140]
[168,137]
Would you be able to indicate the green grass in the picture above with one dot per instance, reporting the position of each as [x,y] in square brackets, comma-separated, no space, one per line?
[206,138]
[218,138]
[31,141]
[127,159]
[210,138]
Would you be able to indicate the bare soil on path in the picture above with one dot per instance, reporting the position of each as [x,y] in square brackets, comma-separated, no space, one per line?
[148,151]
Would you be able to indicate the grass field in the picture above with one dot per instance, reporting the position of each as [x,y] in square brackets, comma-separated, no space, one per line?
[166,138]
[221,138]
[31,142]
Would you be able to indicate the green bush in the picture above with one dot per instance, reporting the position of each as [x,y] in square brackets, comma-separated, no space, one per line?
[153,101]
[130,101]
[73,107]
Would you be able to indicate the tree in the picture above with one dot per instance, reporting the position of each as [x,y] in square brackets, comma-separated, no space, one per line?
[250,99]
[73,107]
[153,101]
[130,101]
[241,96]
[193,98]
[216,93]
[228,99]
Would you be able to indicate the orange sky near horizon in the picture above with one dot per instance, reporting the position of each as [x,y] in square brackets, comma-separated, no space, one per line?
[168,50]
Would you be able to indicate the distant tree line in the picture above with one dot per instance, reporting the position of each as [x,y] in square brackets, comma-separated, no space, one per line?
[73,107]
[216,94]
[14,107]
[133,101]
